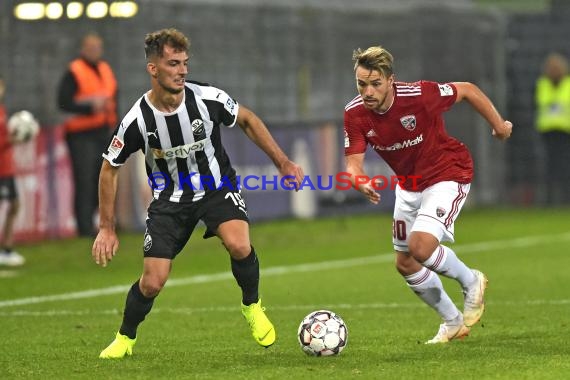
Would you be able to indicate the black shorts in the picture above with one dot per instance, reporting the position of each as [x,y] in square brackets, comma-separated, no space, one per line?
[8,188]
[169,225]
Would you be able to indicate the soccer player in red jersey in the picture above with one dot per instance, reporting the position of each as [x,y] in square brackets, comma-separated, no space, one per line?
[403,123]
[8,191]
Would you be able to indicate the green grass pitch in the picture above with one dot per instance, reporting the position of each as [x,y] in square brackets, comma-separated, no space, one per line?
[60,310]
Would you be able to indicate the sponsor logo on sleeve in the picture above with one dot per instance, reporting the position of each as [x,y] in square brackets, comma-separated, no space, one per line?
[445,90]
[230,105]
[116,147]
[346,140]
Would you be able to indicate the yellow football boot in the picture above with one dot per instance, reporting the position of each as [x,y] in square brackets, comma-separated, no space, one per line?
[121,346]
[261,328]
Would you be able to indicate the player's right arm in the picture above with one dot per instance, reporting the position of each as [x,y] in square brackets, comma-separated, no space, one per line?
[360,181]
[126,140]
[106,243]
[354,150]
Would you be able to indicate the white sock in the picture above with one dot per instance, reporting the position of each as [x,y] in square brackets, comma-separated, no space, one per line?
[445,262]
[427,285]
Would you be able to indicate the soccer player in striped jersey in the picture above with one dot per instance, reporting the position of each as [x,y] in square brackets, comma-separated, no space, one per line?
[403,123]
[177,126]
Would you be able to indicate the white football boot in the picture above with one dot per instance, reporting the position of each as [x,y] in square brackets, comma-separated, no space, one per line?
[455,329]
[474,303]
[11,259]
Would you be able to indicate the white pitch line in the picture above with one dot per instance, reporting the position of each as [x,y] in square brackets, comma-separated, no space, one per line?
[225,309]
[280,270]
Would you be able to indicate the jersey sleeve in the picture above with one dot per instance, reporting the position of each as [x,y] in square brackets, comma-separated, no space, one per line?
[126,140]
[228,108]
[354,140]
[438,97]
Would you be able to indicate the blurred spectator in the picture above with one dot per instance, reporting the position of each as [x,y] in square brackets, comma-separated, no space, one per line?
[8,190]
[553,122]
[88,90]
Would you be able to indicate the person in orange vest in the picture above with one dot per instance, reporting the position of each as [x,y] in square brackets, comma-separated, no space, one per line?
[552,99]
[88,93]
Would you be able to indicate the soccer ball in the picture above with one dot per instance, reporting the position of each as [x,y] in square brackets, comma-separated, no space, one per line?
[22,126]
[322,333]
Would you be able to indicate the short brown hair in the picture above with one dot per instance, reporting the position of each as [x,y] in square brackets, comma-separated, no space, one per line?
[374,58]
[154,42]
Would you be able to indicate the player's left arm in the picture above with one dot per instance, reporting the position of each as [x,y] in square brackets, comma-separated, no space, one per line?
[502,129]
[257,132]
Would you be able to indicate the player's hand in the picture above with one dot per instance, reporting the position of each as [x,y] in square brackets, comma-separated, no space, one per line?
[105,246]
[368,190]
[505,132]
[293,173]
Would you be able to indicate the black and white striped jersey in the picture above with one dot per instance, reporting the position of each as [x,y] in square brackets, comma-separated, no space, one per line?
[183,149]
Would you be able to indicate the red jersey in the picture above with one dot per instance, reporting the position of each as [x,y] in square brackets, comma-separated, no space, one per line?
[6,149]
[410,136]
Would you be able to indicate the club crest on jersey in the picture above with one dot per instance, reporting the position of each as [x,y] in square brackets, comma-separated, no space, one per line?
[408,122]
[197,127]
[440,211]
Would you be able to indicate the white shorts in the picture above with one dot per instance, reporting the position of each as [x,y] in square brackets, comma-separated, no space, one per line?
[433,210]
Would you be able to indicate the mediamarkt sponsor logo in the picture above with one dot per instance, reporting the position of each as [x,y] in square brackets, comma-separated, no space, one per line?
[182,151]
[404,144]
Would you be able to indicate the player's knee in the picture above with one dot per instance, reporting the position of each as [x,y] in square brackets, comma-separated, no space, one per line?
[401,267]
[151,286]
[406,264]
[238,249]
[419,250]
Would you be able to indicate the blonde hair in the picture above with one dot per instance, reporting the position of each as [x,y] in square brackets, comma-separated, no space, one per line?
[374,58]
